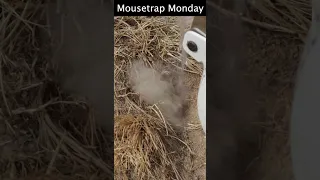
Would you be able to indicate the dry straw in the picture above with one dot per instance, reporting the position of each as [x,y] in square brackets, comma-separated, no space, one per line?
[38,135]
[146,147]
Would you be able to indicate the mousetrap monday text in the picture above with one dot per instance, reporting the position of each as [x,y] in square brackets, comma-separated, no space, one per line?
[160,9]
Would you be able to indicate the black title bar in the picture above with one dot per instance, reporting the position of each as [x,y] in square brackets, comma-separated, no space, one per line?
[164,8]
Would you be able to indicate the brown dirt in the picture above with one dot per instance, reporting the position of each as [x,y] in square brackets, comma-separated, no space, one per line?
[35,112]
[196,163]
[273,60]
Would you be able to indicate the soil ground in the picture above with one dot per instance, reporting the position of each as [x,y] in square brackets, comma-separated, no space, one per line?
[40,136]
[273,60]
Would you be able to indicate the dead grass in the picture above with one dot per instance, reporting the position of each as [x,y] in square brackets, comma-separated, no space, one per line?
[273,59]
[294,15]
[275,38]
[39,133]
[146,147]
[150,39]
[144,150]
[284,16]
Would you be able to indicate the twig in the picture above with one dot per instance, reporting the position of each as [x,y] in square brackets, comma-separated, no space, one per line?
[2,86]
[125,95]
[81,154]
[136,106]
[268,26]
[193,126]
[29,87]
[50,167]
[13,30]
[183,143]
[158,112]
[42,107]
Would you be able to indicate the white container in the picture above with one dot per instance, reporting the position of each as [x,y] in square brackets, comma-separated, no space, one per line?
[197,38]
